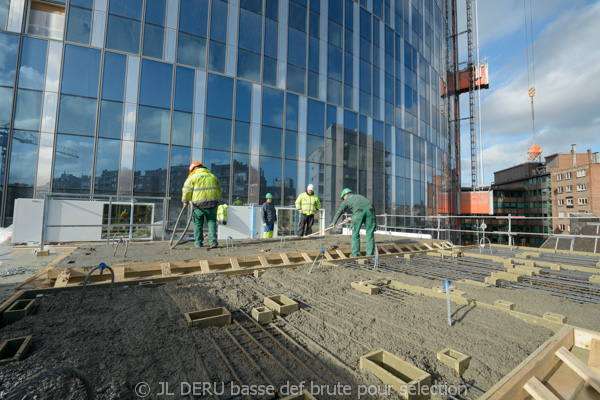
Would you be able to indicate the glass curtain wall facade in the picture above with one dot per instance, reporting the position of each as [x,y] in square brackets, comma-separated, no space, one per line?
[119,96]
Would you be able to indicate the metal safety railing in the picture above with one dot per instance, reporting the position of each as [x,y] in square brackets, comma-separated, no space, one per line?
[112,200]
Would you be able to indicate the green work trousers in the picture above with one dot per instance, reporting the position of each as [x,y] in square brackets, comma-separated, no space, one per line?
[211,218]
[367,217]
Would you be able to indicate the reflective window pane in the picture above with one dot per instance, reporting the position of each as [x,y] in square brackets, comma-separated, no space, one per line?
[271,140]
[155,84]
[107,166]
[77,115]
[216,56]
[184,89]
[334,62]
[218,21]
[336,10]
[3,13]
[155,12]
[334,92]
[270,177]
[191,50]
[113,80]
[153,41]
[27,114]
[150,176]
[315,149]
[316,118]
[79,25]
[33,64]
[248,66]
[297,16]
[72,164]
[291,112]
[182,128]
[81,71]
[180,162]
[123,34]
[272,9]
[46,19]
[296,79]
[271,32]
[314,24]
[270,71]
[272,108]
[241,138]
[193,15]
[6,100]
[290,177]
[297,47]
[334,34]
[250,33]
[291,145]
[243,101]
[241,171]
[219,162]
[154,124]
[217,134]
[220,95]
[9,45]
[23,165]
[127,8]
[252,5]
[111,119]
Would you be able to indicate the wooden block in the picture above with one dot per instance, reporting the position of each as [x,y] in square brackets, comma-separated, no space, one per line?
[454,359]
[589,376]
[404,377]
[595,278]
[258,273]
[555,317]
[119,273]
[42,253]
[594,359]
[210,317]
[262,314]
[165,269]
[365,287]
[234,263]
[507,305]
[19,309]
[281,304]
[14,349]
[538,391]
[63,278]
[564,383]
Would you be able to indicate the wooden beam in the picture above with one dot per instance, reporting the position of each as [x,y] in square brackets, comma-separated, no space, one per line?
[204,266]
[385,250]
[47,267]
[263,261]
[589,376]
[341,254]
[306,257]
[63,278]
[328,256]
[565,383]
[284,257]
[119,273]
[540,364]
[594,358]
[584,337]
[234,263]
[538,391]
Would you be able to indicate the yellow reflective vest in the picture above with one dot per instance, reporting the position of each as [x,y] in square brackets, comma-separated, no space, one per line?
[202,188]
[308,204]
[222,214]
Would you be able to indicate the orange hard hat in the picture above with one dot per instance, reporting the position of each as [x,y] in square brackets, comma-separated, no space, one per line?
[194,165]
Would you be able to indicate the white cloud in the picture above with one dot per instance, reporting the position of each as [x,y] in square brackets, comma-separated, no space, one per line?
[566,100]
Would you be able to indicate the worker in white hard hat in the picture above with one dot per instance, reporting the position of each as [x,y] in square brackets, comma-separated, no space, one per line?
[307,205]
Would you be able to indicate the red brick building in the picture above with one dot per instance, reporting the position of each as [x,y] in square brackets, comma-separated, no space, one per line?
[575,182]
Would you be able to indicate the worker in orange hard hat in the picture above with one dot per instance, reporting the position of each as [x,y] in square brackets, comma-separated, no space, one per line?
[204,190]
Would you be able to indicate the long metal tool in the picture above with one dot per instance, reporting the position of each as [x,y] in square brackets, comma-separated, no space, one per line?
[328,229]
[177,224]
[447,285]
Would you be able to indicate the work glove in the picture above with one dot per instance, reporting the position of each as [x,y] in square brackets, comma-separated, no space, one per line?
[331,225]
[185,204]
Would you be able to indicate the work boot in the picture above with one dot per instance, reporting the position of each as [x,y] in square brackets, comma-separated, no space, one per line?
[196,245]
[214,245]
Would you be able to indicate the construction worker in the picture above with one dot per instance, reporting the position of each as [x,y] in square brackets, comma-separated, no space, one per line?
[269,216]
[362,212]
[238,202]
[222,214]
[204,190]
[307,204]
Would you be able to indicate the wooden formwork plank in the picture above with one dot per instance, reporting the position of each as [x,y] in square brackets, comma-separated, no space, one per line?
[119,273]
[204,266]
[538,391]
[594,358]
[540,364]
[234,263]
[285,258]
[428,246]
[584,338]
[589,376]
[63,278]
[306,257]
[47,268]
[565,383]
[165,268]
[386,251]
[263,261]
[328,256]
[398,248]
[341,254]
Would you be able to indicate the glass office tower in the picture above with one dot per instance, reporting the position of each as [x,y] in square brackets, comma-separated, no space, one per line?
[119,96]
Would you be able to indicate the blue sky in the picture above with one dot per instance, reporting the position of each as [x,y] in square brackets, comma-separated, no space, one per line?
[567,81]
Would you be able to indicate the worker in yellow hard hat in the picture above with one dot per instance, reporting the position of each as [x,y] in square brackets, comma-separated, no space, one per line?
[269,216]
[204,191]
[363,212]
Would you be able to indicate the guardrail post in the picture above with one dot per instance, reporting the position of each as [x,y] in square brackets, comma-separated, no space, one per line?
[165,217]
[44,222]
[108,228]
[509,228]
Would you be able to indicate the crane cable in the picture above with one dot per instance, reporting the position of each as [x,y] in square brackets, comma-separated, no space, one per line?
[528,47]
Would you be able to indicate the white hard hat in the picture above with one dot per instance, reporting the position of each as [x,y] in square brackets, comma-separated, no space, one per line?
[310,187]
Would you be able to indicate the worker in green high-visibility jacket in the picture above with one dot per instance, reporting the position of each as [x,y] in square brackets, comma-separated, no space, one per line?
[363,212]
[203,189]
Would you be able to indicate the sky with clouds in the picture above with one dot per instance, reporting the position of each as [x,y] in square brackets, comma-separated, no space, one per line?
[567,97]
